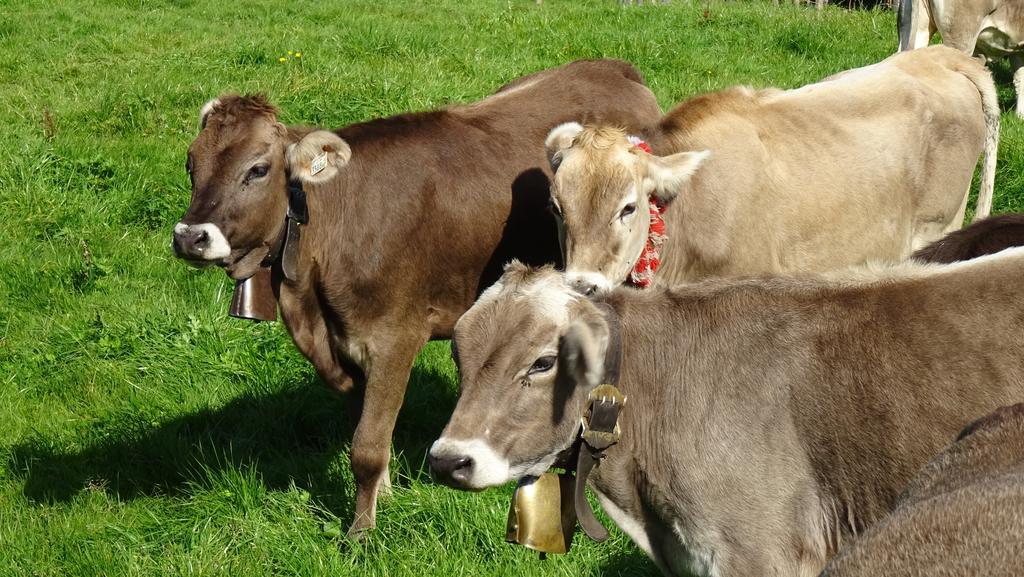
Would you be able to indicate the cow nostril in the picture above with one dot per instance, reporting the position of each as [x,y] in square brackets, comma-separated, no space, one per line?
[202,239]
[458,468]
[584,288]
[463,466]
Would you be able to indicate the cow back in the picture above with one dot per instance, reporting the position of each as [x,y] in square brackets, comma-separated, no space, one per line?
[432,205]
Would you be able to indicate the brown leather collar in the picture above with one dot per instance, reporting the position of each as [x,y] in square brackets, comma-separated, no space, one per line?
[599,426]
[286,249]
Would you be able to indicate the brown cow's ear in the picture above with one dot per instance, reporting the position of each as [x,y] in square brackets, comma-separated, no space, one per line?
[559,139]
[581,353]
[206,110]
[666,175]
[318,156]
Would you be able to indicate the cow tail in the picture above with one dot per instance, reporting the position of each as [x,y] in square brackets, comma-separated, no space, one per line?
[904,22]
[982,80]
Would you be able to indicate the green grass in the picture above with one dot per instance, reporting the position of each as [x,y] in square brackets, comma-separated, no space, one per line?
[142,431]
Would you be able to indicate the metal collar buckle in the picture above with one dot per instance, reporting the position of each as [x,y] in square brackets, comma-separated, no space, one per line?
[600,420]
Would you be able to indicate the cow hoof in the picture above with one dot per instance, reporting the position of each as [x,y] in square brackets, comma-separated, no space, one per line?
[357,534]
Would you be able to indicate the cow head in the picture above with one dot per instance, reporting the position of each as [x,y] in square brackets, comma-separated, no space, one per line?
[601,192]
[528,352]
[239,186]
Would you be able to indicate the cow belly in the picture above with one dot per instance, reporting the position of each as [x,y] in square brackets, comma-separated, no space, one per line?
[672,555]
[629,525]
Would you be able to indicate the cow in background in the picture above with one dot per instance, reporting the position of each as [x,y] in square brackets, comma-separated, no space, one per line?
[992,28]
[406,220]
[961,516]
[770,181]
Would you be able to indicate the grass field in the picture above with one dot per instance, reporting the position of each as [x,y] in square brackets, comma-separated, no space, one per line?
[142,431]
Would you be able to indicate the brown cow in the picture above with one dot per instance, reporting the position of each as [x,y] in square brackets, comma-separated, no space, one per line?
[961,516]
[870,164]
[986,236]
[409,217]
[992,28]
[768,419]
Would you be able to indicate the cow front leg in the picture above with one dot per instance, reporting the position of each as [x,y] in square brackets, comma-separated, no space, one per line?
[1018,82]
[371,446]
[310,335]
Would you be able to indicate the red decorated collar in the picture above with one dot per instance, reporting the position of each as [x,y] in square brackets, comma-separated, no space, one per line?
[639,143]
[642,275]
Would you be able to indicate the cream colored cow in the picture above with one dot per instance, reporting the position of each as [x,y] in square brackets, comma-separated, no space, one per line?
[993,28]
[869,164]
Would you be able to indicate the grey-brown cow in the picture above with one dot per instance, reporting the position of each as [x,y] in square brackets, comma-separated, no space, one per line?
[961,516]
[992,28]
[409,217]
[870,164]
[768,419]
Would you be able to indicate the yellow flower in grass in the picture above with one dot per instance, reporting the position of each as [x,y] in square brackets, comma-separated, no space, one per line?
[282,59]
[298,55]
[290,53]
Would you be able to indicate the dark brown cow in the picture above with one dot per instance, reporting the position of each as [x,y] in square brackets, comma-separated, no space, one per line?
[983,237]
[409,218]
[961,516]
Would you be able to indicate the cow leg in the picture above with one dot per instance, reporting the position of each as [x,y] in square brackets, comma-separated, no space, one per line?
[371,445]
[958,220]
[1018,81]
[310,335]
[922,24]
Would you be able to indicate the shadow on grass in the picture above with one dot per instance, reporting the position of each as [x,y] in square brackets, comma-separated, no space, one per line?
[292,436]
[632,564]
[1002,73]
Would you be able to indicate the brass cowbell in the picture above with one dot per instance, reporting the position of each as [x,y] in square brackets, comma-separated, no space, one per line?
[542,516]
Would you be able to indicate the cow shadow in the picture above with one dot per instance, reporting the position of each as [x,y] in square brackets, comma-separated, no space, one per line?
[293,437]
[530,233]
[633,563]
[1002,73]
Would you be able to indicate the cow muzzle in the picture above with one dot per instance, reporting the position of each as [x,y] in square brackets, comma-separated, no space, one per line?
[588,283]
[468,465]
[200,243]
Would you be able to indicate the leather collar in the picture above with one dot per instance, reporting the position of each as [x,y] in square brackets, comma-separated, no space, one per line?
[286,249]
[599,426]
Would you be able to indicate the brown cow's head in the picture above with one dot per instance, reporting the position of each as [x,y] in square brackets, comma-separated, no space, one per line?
[239,166]
[239,192]
[601,192]
[528,352]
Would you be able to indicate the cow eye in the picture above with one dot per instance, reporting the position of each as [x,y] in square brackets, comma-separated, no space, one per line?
[258,171]
[542,365]
[628,210]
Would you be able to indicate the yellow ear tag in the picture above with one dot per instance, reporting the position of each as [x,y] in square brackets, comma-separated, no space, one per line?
[318,165]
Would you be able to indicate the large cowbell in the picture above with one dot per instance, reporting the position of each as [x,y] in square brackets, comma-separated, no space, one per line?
[254,298]
[542,516]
